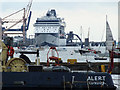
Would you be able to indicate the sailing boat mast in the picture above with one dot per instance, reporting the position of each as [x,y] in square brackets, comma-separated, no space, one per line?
[118,24]
[81,32]
[88,37]
[106,29]
[81,37]
[106,32]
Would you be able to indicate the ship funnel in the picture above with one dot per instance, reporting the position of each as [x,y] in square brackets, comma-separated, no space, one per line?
[51,13]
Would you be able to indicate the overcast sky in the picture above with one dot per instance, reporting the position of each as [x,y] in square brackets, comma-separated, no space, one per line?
[76,14]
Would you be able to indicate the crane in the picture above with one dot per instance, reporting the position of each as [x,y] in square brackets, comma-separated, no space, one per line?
[26,17]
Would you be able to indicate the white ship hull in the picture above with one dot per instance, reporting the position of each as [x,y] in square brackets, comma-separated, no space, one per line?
[47,40]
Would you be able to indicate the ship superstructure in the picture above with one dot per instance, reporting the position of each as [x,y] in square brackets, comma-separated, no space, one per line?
[49,30]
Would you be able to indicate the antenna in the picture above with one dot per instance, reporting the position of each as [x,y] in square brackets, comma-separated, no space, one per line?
[81,32]
[88,36]
[88,32]
[106,17]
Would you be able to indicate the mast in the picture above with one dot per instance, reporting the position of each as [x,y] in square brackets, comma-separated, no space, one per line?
[106,32]
[88,37]
[24,32]
[81,32]
[81,37]
[0,29]
[106,29]
[118,24]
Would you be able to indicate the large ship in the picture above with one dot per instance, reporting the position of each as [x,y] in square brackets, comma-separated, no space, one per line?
[49,30]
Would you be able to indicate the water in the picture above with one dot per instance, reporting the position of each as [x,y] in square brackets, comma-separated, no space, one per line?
[68,53]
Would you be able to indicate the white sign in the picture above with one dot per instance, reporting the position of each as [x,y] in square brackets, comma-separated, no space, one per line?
[96,80]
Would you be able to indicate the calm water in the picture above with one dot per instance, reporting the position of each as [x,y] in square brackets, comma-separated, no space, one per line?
[68,53]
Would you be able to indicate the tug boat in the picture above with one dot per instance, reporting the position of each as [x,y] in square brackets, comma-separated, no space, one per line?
[20,73]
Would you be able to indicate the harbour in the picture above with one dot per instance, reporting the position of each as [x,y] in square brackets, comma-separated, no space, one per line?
[55,58]
[81,63]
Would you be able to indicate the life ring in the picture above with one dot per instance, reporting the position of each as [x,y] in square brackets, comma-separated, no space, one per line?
[10,51]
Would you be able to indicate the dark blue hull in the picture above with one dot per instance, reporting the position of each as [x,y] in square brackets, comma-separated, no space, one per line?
[57,80]
[44,88]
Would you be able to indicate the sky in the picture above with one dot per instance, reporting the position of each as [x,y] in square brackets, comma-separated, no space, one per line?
[86,13]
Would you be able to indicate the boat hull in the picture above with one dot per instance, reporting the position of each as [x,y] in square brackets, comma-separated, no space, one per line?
[44,88]
[56,80]
[47,39]
[100,58]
